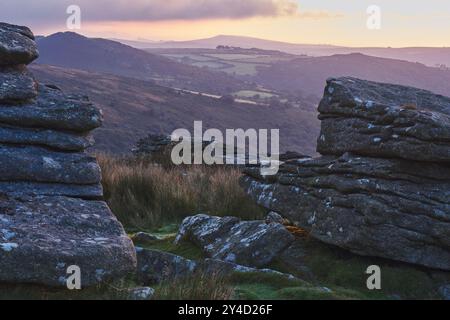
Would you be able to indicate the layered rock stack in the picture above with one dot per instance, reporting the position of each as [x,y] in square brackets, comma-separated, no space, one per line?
[382,186]
[51,215]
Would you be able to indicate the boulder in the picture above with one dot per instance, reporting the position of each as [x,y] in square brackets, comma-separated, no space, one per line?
[156,266]
[16,85]
[389,208]
[58,140]
[273,217]
[384,120]
[248,243]
[53,110]
[40,237]
[37,164]
[17,45]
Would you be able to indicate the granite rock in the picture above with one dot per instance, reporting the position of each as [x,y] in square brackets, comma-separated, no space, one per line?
[40,237]
[17,45]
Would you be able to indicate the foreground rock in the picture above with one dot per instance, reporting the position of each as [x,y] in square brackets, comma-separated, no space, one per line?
[41,237]
[155,266]
[49,220]
[248,243]
[378,207]
[388,206]
[384,120]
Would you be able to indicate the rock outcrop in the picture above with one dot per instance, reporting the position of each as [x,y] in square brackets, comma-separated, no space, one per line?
[384,121]
[382,187]
[248,243]
[51,213]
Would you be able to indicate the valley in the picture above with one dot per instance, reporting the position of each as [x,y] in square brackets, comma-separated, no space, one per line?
[134,108]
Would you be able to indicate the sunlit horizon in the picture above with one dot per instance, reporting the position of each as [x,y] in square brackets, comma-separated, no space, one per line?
[416,24]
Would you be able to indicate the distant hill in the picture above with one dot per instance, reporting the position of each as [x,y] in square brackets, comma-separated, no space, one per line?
[71,50]
[138,44]
[309,74]
[243,42]
[133,108]
[429,56]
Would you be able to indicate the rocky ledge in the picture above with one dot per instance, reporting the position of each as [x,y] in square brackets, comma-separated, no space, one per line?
[51,213]
[384,120]
[371,193]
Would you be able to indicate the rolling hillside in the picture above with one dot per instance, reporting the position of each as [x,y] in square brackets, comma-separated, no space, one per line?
[430,56]
[133,108]
[71,50]
[309,74]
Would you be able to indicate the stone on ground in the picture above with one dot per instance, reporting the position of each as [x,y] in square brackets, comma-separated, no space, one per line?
[248,243]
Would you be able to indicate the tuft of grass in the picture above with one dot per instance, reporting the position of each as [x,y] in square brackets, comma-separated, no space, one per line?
[198,287]
[117,290]
[146,196]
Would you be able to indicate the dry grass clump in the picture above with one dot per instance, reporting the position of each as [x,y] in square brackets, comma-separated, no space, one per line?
[145,196]
[200,286]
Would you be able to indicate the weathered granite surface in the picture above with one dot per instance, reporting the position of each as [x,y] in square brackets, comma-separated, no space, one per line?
[248,243]
[382,187]
[53,110]
[40,237]
[17,84]
[51,213]
[37,164]
[384,120]
[377,207]
[83,191]
[17,45]
[58,140]
[155,266]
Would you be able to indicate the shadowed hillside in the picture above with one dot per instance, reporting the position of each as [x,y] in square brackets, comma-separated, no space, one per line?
[133,108]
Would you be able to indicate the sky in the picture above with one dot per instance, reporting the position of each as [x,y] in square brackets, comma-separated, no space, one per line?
[340,22]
